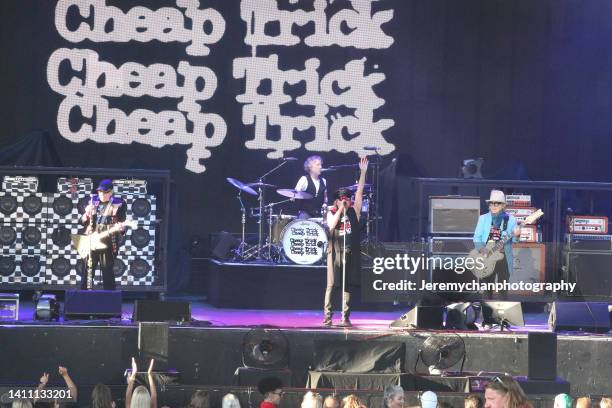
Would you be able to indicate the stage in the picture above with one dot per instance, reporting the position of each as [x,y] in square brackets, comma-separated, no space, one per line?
[208,354]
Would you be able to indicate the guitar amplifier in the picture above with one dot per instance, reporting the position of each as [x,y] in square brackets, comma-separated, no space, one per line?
[518,200]
[74,185]
[520,213]
[588,242]
[453,214]
[529,233]
[451,245]
[130,186]
[584,224]
[17,184]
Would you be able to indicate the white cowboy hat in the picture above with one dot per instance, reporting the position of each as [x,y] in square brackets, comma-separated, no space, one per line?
[497,196]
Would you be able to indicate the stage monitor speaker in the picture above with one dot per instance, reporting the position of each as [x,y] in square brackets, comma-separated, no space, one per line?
[92,304]
[421,317]
[222,247]
[542,356]
[153,344]
[353,356]
[161,311]
[579,316]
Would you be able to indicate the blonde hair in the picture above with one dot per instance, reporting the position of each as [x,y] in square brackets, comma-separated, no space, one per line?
[506,385]
[312,400]
[22,403]
[605,402]
[141,397]
[352,401]
[583,402]
[230,401]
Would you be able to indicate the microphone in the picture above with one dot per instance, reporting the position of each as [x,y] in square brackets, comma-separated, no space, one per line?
[372,148]
[288,158]
[326,170]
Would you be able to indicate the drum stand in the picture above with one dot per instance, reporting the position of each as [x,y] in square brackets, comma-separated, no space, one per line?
[242,251]
[269,244]
[259,253]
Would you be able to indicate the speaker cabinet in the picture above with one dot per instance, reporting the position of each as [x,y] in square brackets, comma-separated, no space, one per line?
[542,356]
[421,317]
[591,272]
[161,311]
[579,316]
[529,264]
[153,344]
[92,304]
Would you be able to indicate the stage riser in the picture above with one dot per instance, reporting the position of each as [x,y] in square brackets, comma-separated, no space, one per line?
[244,286]
[210,356]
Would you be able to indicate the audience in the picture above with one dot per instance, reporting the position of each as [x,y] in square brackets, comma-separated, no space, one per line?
[583,402]
[271,389]
[429,399]
[474,401]
[605,402]
[230,401]
[22,403]
[200,399]
[101,397]
[505,392]
[312,400]
[352,401]
[563,401]
[140,397]
[394,396]
[331,401]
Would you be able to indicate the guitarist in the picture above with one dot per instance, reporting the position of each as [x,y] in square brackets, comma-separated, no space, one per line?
[493,226]
[102,213]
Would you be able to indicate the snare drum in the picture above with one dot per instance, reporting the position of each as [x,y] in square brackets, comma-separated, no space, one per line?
[278,225]
[304,242]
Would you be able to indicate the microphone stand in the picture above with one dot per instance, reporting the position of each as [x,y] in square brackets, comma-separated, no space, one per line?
[343,220]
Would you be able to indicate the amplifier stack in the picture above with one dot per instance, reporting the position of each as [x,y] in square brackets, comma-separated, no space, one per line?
[587,256]
[36,229]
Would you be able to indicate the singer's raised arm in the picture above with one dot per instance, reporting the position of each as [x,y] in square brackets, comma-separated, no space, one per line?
[363,166]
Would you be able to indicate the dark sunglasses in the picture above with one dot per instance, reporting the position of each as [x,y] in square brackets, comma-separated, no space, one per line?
[495,203]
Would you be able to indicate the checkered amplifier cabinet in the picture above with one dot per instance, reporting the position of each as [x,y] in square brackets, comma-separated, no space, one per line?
[66,208]
[135,270]
[63,263]
[74,185]
[23,206]
[24,238]
[135,264]
[15,184]
[130,186]
[141,208]
[24,269]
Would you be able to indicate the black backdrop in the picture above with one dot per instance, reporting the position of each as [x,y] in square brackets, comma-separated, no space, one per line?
[505,80]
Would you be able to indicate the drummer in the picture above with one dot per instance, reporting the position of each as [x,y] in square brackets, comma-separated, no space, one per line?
[312,183]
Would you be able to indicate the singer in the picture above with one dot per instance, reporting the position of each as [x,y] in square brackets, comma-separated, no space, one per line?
[344,251]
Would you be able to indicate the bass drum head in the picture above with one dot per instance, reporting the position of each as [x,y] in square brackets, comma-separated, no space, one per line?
[304,242]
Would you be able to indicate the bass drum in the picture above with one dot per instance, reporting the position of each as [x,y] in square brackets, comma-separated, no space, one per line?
[304,242]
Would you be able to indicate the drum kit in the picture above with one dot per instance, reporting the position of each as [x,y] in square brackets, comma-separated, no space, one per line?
[289,239]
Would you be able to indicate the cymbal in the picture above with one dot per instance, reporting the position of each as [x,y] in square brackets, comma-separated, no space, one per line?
[241,186]
[291,193]
[353,187]
[264,185]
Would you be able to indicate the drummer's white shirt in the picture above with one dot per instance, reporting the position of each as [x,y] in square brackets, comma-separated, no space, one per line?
[302,184]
